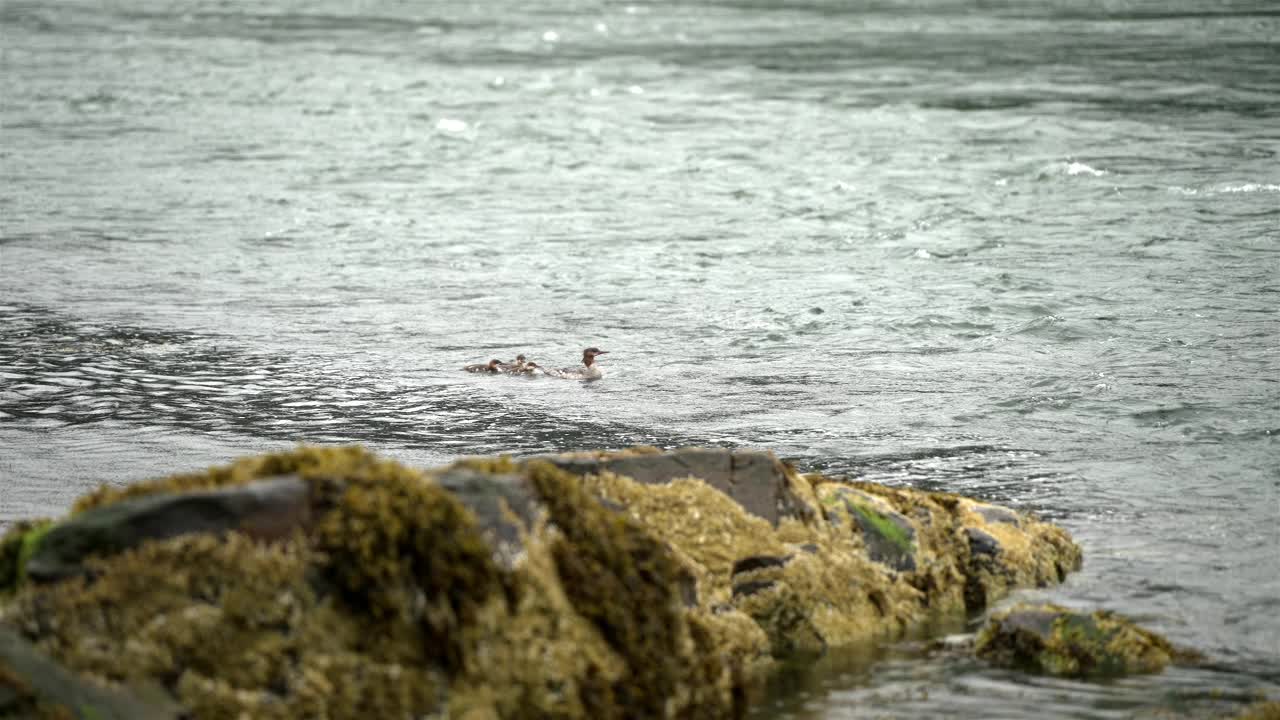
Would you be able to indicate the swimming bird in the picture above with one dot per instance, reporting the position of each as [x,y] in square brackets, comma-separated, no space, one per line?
[515,367]
[492,366]
[588,370]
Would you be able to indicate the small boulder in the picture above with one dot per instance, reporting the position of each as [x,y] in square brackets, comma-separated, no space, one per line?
[1054,640]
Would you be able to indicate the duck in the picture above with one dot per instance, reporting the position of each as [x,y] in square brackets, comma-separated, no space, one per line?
[588,370]
[493,366]
[515,367]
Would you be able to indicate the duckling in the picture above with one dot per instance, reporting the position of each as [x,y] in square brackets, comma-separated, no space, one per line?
[515,367]
[493,366]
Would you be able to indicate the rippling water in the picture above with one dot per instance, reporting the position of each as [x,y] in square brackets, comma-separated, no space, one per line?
[1024,251]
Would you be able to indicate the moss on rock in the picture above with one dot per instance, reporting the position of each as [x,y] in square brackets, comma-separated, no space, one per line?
[1054,640]
[626,582]
[498,588]
[16,547]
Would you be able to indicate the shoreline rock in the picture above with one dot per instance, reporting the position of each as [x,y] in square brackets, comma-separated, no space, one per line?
[620,584]
[1053,640]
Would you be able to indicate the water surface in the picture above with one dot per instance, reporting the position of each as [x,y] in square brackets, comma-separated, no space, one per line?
[1024,251]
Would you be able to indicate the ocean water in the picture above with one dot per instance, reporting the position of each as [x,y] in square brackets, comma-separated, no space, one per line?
[1026,251]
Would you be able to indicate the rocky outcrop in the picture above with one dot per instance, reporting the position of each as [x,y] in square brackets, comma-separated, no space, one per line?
[1057,641]
[639,583]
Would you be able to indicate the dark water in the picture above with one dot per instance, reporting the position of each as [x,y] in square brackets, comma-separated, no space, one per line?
[1024,251]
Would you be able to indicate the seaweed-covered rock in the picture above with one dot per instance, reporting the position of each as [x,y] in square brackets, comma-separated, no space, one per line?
[1057,641]
[477,590]
[758,481]
[1006,550]
[269,509]
[326,582]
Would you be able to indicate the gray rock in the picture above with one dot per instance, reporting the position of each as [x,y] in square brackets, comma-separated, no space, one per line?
[268,509]
[895,549]
[998,514]
[982,543]
[756,480]
[486,496]
[29,679]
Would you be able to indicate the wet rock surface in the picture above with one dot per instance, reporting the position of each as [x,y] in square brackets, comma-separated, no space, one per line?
[587,585]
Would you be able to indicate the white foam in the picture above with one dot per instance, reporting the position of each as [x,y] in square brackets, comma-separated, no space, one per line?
[1250,187]
[1079,168]
[451,125]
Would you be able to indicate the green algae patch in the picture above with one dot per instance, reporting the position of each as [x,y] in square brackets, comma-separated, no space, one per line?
[1054,640]
[884,528]
[16,548]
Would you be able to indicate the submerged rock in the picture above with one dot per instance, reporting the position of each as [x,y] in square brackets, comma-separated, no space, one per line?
[1057,641]
[328,582]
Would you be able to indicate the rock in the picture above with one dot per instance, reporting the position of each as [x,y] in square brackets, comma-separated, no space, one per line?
[997,514]
[619,586]
[888,535]
[785,617]
[758,481]
[33,685]
[490,497]
[982,543]
[269,509]
[1055,640]
[757,562]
